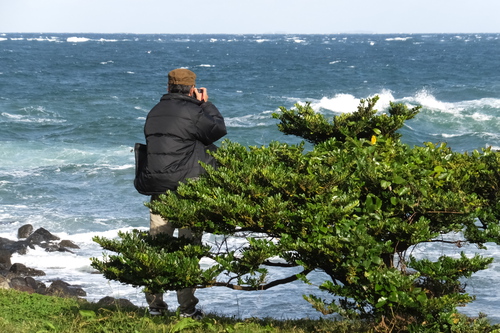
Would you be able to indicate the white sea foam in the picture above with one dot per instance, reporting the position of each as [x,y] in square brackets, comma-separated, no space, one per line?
[77,39]
[428,101]
[102,40]
[31,119]
[398,39]
[344,103]
[30,158]
[481,110]
[481,117]
[121,167]
[340,103]
[251,120]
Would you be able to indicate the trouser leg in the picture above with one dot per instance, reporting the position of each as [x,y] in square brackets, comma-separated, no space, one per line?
[185,297]
[158,225]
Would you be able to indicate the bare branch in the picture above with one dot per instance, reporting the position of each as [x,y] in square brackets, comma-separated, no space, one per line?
[262,287]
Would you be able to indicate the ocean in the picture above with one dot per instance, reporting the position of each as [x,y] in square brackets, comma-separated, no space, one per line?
[73,105]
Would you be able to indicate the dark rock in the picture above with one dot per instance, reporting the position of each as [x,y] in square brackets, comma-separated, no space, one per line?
[40,236]
[20,283]
[5,262]
[41,288]
[25,231]
[20,247]
[55,248]
[31,282]
[68,244]
[18,276]
[119,303]
[22,270]
[64,289]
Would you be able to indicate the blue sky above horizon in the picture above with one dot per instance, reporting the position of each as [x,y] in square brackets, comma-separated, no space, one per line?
[252,17]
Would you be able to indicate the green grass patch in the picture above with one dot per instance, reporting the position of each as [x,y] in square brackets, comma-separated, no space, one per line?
[22,312]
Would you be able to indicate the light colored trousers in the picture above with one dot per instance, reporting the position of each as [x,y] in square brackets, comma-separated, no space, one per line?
[185,297]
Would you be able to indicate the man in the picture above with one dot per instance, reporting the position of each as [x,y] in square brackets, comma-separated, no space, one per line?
[179,130]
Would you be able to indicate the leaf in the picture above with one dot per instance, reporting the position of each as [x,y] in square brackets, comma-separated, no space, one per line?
[185,323]
[385,184]
[399,180]
[439,169]
[87,313]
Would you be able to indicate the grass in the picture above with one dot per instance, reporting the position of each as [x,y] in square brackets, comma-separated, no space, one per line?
[21,312]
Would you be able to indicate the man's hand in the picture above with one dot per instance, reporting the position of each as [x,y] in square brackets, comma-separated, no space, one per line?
[201,96]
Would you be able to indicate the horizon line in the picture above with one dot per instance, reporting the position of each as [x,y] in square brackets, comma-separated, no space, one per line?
[247,33]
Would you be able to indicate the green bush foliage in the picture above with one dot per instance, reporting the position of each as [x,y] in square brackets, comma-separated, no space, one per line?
[354,206]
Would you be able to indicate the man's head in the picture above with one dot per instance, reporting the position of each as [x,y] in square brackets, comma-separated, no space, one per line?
[181,80]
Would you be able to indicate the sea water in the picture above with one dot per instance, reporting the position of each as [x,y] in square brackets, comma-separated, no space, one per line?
[73,105]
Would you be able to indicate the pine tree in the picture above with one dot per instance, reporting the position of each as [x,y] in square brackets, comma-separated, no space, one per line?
[354,206]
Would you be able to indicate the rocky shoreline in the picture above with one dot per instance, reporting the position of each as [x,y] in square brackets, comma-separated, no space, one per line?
[19,277]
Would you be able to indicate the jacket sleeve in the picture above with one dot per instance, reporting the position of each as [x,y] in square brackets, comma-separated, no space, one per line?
[210,125]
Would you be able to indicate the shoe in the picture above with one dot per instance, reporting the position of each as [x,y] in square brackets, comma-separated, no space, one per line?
[196,315]
[156,312]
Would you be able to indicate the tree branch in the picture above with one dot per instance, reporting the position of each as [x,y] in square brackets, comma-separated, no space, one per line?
[278,264]
[262,287]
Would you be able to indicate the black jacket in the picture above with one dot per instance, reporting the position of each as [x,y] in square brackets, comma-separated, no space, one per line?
[179,130]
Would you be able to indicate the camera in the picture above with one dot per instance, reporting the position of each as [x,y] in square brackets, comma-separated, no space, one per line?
[200,91]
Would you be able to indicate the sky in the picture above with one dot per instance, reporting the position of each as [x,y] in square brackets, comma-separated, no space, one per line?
[250,17]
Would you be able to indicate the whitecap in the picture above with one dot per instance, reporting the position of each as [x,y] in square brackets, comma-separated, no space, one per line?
[428,101]
[401,39]
[31,119]
[481,117]
[77,39]
[340,103]
[122,167]
[250,120]
[449,136]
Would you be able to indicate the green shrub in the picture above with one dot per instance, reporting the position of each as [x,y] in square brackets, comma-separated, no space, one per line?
[354,206]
